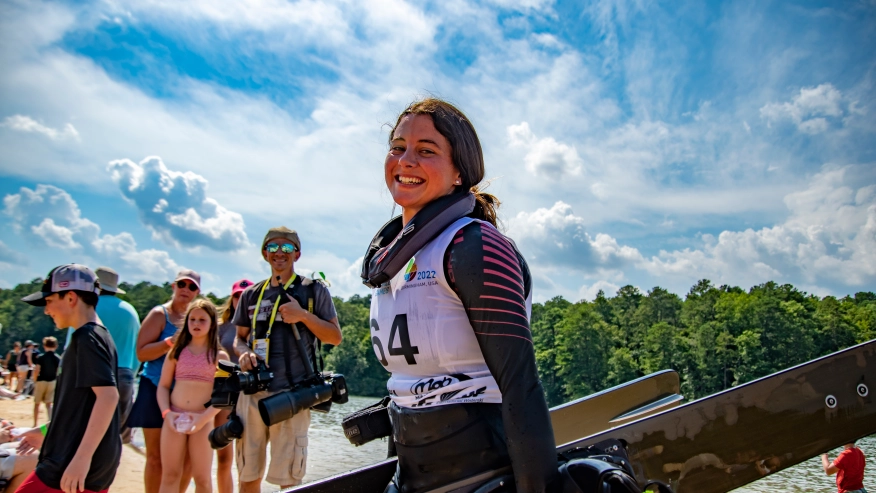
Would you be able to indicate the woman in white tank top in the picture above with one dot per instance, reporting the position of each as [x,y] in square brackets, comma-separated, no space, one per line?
[450,316]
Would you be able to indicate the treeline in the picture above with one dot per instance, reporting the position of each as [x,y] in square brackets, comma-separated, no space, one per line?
[716,337]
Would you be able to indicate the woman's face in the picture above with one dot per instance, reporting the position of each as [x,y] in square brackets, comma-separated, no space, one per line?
[199,323]
[419,167]
[186,293]
[235,299]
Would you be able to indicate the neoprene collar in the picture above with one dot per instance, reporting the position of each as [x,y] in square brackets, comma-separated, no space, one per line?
[393,245]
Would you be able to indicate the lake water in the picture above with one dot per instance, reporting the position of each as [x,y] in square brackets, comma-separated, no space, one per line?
[331,453]
[809,477]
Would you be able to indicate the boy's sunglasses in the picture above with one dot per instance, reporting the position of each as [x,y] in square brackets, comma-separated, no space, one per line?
[182,283]
[285,247]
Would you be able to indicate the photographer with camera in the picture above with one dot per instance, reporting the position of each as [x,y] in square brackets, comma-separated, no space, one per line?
[276,318]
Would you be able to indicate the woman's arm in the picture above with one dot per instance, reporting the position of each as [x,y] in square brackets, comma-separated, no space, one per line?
[492,281]
[149,347]
[163,392]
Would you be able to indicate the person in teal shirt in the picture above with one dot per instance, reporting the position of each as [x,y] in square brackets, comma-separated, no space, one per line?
[123,324]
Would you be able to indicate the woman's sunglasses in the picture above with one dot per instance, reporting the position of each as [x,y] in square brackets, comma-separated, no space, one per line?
[285,247]
[182,283]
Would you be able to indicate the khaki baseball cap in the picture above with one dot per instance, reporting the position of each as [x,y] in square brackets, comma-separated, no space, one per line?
[282,232]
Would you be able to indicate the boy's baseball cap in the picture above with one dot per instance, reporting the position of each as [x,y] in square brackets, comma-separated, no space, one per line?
[240,286]
[70,277]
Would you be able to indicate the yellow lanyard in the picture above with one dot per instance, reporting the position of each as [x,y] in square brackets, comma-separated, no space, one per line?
[258,307]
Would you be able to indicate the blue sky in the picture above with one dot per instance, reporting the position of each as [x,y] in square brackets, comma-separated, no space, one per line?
[631,142]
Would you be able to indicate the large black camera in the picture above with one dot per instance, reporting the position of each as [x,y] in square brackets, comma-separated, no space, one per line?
[255,380]
[223,434]
[316,393]
[230,381]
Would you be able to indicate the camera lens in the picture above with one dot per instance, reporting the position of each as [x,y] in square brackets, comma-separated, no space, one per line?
[282,406]
[222,435]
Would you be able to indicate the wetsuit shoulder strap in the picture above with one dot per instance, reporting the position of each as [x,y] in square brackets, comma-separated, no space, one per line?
[396,243]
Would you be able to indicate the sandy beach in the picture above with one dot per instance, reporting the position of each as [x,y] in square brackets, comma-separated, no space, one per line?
[129,478]
[329,452]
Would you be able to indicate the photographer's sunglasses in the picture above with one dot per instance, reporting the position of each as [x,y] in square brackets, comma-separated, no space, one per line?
[182,283]
[285,247]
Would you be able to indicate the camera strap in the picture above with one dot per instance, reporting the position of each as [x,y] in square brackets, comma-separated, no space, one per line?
[273,313]
[290,341]
[317,356]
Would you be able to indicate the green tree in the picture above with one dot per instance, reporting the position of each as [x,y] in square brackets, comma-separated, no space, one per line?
[354,357]
[545,319]
[622,368]
[835,327]
[660,349]
[583,348]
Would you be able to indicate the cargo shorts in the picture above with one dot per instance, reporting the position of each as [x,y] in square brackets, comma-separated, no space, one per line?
[288,440]
[44,392]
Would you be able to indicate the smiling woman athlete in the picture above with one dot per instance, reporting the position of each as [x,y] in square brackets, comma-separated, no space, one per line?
[450,316]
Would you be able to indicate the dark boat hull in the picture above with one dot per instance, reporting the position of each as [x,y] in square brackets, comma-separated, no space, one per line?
[732,438]
[724,441]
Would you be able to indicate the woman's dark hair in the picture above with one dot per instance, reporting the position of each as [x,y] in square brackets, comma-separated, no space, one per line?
[183,337]
[466,152]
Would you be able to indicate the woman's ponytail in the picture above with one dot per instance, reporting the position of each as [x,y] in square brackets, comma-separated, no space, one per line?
[486,206]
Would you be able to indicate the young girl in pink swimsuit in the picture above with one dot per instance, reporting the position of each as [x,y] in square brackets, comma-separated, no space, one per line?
[190,367]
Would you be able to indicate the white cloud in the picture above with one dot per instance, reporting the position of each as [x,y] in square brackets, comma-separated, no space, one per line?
[523,5]
[624,136]
[176,207]
[808,109]
[55,236]
[49,215]
[589,291]
[556,237]
[828,239]
[544,156]
[343,275]
[27,124]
